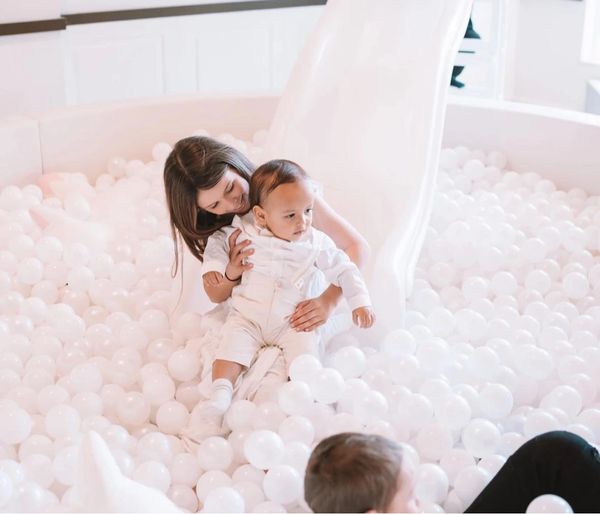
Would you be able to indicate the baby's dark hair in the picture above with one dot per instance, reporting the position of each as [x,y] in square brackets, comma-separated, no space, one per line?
[272,174]
[352,472]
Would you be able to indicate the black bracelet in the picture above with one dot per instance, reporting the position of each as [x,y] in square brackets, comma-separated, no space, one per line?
[230,279]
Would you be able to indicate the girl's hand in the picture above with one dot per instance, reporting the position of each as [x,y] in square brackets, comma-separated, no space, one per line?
[310,314]
[213,278]
[363,317]
[237,256]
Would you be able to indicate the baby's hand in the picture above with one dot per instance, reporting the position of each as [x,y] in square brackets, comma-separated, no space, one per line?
[363,317]
[238,254]
[213,278]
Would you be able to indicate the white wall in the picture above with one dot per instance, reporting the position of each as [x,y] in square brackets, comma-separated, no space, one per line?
[548,68]
[245,52]
[13,11]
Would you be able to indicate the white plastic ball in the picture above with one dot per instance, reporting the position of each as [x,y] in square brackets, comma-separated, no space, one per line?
[214,453]
[349,361]
[295,397]
[548,503]
[264,449]
[224,499]
[304,368]
[480,437]
[327,385]
[282,484]
[431,483]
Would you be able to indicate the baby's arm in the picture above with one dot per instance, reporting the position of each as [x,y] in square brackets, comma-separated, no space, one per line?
[341,271]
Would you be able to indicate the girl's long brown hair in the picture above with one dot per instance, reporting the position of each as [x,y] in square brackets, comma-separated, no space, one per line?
[198,163]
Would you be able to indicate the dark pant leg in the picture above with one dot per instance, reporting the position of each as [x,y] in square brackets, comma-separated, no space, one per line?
[559,463]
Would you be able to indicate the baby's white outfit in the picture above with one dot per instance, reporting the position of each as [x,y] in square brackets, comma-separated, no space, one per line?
[280,278]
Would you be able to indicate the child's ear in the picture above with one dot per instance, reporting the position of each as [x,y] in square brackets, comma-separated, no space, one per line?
[259,215]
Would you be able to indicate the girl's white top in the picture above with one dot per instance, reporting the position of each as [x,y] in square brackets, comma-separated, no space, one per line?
[293,264]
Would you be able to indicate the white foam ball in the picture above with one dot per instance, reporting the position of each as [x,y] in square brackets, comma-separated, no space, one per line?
[153,474]
[183,365]
[171,417]
[349,361]
[184,497]
[239,415]
[86,377]
[297,428]
[62,421]
[548,503]
[269,507]
[433,441]
[224,499]
[154,446]
[399,342]
[503,283]
[264,449]
[282,484]
[6,488]
[160,151]
[133,409]
[539,422]
[295,397]
[469,482]
[492,463]
[575,285]
[304,367]
[370,407]
[454,412]
[327,385]
[538,280]
[455,460]
[565,398]
[214,453]
[184,469]
[251,492]
[480,437]
[158,389]
[431,483]
[268,415]
[441,321]
[64,465]
[210,481]
[30,271]
[495,401]
[248,473]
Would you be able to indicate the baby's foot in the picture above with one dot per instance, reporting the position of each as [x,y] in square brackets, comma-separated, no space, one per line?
[206,420]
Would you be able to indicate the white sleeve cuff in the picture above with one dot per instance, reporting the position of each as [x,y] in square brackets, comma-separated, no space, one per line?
[360,300]
[213,265]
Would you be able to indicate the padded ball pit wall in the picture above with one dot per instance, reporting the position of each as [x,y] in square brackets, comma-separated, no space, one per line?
[560,145]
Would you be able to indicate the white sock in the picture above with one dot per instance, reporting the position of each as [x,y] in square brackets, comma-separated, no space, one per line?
[221,394]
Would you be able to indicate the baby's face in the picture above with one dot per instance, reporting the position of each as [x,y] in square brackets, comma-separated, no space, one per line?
[288,210]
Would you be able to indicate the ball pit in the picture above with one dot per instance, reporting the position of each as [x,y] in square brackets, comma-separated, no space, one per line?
[499,340]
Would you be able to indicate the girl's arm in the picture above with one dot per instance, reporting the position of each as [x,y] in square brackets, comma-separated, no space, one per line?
[218,287]
[312,313]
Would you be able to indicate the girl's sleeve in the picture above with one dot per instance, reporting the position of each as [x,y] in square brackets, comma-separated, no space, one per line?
[216,253]
[341,271]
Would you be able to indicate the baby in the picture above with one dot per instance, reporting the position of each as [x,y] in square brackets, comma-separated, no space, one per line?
[287,252]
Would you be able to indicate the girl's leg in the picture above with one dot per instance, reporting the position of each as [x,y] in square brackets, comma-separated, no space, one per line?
[559,463]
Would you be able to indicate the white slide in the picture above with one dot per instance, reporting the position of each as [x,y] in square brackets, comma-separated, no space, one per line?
[363,113]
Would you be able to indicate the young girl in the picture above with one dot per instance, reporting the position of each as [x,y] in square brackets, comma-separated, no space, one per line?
[286,254]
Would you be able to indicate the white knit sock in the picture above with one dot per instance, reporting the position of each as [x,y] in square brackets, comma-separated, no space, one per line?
[221,394]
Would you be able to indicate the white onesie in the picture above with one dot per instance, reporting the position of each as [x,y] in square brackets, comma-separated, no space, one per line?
[263,302]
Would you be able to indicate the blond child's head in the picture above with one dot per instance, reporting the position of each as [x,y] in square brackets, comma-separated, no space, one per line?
[352,472]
